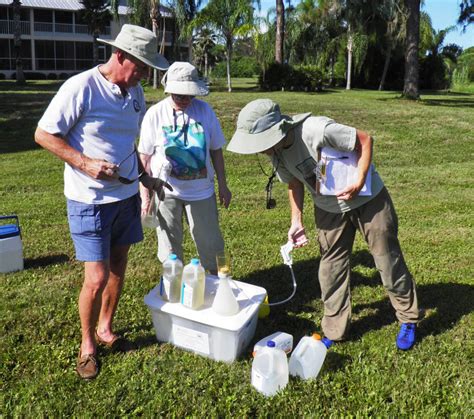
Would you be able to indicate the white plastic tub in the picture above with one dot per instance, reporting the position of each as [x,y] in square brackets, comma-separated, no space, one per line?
[202,331]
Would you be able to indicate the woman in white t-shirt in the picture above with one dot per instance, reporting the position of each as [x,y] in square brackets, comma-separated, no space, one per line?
[182,133]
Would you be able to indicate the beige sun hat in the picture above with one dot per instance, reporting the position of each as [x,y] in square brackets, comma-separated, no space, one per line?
[141,43]
[261,126]
[182,78]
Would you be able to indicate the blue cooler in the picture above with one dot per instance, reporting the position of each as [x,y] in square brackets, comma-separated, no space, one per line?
[11,248]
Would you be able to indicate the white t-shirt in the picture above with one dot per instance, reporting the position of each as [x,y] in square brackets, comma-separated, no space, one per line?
[299,160]
[184,140]
[96,119]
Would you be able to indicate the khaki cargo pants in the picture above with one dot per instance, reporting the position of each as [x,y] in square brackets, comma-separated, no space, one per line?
[378,224]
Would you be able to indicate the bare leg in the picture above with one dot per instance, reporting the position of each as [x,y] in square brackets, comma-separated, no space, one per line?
[90,298]
[112,291]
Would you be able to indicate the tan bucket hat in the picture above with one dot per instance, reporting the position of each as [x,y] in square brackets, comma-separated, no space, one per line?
[141,43]
[182,78]
[261,126]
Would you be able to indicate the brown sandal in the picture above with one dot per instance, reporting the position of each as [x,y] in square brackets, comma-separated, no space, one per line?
[118,343]
[87,366]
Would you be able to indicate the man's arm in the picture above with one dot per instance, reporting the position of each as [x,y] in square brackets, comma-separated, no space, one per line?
[97,169]
[225,194]
[363,147]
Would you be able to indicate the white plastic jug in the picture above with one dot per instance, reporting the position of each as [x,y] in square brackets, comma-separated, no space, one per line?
[170,286]
[308,357]
[270,370]
[193,285]
[283,341]
[225,303]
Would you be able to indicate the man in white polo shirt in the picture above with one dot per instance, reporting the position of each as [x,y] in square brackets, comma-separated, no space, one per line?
[91,124]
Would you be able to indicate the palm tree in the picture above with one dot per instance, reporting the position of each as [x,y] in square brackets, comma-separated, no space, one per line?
[410,87]
[97,16]
[205,41]
[466,15]
[229,18]
[356,15]
[20,76]
[280,32]
[393,15]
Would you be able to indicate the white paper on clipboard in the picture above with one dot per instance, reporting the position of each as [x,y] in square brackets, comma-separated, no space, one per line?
[342,171]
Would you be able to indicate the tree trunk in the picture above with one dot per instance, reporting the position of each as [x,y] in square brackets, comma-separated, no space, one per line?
[385,66]
[280,32]
[349,60]
[206,74]
[154,25]
[228,57]
[20,76]
[410,87]
[331,71]
[95,49]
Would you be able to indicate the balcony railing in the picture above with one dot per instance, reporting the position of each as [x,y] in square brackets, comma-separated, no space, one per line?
[7,27]
[65,28]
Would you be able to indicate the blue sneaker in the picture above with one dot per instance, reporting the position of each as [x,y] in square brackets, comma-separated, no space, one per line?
[406,336]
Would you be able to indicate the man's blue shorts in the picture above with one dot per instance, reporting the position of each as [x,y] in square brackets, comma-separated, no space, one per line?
[96,228]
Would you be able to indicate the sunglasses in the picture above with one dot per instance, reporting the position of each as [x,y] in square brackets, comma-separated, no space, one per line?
[182,97]
[123,179]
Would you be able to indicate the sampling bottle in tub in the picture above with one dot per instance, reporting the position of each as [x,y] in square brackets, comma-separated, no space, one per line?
[270,370]
[170,286]
[308,357]
[225,303]
[193,285]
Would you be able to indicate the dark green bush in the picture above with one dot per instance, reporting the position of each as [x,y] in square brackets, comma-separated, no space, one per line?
[299,78]
[239,67]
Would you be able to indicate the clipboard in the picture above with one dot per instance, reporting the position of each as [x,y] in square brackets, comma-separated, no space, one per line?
[338,169]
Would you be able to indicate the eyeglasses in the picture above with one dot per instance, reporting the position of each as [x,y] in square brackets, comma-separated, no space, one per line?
[125,180]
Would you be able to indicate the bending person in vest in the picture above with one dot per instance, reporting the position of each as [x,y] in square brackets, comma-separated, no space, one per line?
[334,163]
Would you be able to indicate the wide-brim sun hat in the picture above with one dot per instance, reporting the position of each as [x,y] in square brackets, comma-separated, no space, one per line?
[140,43]
[261,126]
[182,78]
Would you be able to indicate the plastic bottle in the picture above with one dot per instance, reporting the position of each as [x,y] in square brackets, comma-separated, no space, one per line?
[170,287]
[283,341]
[308,357]
[225,303]
[193,285]
[270,370]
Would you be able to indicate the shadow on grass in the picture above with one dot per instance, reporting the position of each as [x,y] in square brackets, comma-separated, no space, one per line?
[451,100]
[44,261]
[20,111]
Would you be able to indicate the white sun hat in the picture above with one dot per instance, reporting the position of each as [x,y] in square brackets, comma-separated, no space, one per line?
[141,43]
[182,79]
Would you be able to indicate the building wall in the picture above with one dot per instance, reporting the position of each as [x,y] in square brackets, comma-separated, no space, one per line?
[54,43]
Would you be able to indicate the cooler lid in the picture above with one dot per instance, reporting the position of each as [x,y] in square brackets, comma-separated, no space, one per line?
[9,230]
[248,296]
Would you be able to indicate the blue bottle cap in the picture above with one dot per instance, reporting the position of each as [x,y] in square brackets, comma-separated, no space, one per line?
[271,344]
[172,256]
[195,261]
[327,342]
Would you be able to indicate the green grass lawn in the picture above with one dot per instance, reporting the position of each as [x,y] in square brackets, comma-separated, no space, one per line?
[424,151]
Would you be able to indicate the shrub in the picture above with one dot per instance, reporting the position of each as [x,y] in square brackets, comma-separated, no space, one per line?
[239,67]
[299,78]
